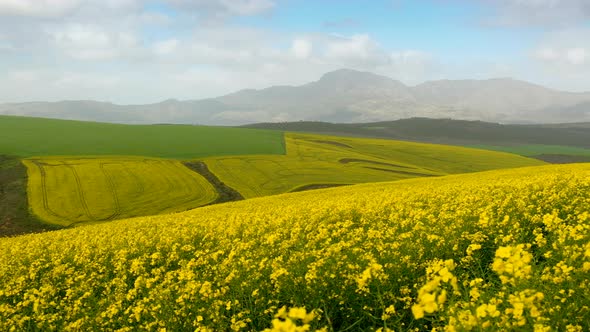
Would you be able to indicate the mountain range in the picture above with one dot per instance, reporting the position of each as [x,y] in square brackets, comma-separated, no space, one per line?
[342,96]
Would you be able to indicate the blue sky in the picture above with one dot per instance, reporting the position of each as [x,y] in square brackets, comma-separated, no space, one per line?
[134,51]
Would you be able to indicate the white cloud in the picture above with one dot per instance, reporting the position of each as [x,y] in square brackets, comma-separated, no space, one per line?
[222,8]
[359,51]
[539,12]
[577,56]
[24,76]
[93,42]
[547,54]
[166,47]
[247,7]
[569,47]
[38,8]
[570,56]
[301,48]
[409,57]
[55,9]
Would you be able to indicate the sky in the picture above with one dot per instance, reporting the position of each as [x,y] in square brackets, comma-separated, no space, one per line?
[145,51]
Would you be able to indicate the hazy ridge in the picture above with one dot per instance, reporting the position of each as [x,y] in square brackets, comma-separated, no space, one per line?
[344,96]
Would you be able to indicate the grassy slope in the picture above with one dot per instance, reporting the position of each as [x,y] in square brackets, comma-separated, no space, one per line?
[321,160]
[535,149]
[358,255]
[67,191]
[456,132]
[25,137]
[15,218]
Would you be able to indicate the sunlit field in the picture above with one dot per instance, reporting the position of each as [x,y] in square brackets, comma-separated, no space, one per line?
[313,160]
[498,250]
[71,191]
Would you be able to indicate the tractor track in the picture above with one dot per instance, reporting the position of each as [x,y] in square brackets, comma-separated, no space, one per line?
[113,190]
[44,194]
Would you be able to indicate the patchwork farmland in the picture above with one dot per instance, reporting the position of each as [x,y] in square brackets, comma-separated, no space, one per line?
[126,176]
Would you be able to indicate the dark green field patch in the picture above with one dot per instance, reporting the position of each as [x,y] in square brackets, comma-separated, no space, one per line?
[562,159]
[338,144]
[318,186]
[531,150]
[353,160]
[27,137]
[400,172]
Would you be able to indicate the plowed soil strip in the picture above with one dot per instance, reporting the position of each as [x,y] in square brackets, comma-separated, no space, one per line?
[226,193]
[400,172]
[318,186]
[353,160]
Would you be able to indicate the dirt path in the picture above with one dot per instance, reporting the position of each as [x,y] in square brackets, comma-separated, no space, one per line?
[226,193]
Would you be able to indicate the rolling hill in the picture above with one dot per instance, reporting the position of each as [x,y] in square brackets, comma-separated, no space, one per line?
[70,191]
[498,250]
[26,137]
[84,172]
[317,161]
[555,143]
[73,191]
[448,131]
[341,96]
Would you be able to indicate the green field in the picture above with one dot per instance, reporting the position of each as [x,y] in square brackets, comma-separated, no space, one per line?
[537,149]
[317,160]
[68,191]
[27,137]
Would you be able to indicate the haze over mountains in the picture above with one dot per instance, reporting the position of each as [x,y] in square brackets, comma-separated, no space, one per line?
[343,96]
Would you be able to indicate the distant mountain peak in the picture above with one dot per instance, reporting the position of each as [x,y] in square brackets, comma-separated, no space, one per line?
[349,80]
[346,73]
[343,95]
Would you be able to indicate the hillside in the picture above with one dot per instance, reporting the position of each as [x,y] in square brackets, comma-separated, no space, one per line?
[75,190]
[87,172]
[448,131]
[499,250]
[15,216]
[554,143]
[318,161]
[340,96]
[25,137]
[69,191]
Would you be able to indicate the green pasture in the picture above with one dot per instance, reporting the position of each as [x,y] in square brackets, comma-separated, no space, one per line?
[27,137]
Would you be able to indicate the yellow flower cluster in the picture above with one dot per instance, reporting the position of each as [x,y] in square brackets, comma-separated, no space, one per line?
[493,251]
[292,320]
[513,263]
[432,296]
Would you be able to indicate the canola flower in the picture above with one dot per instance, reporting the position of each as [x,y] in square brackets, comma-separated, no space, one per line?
[494,251]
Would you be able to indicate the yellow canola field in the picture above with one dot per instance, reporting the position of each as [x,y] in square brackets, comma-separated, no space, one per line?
[327,160]
[492,251]
[68,191]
